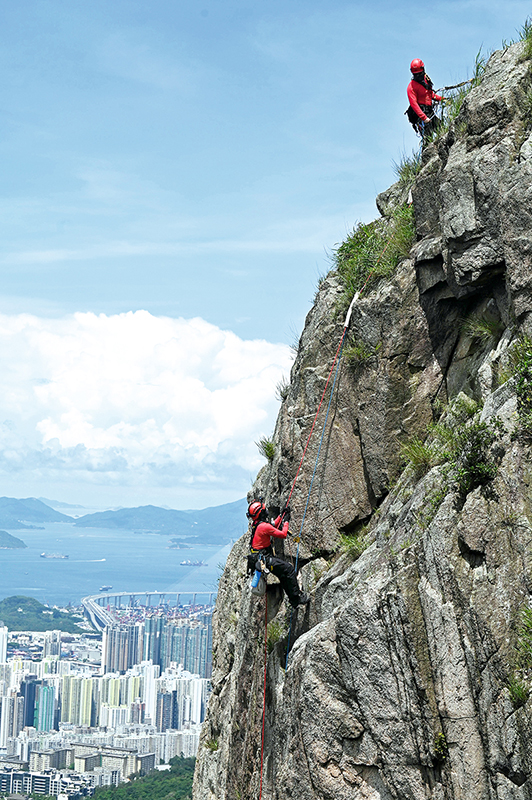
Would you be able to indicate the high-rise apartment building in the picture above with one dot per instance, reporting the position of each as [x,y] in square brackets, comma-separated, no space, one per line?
[76,700]
[11,716]
[28,690]
[163,713]
[44,715]
[153,639]
[52,644]
[122,647]
[3,643]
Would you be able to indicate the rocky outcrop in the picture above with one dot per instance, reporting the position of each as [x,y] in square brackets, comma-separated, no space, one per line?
[399,680]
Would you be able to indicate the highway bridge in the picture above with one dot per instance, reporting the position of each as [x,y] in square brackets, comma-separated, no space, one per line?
[96,605]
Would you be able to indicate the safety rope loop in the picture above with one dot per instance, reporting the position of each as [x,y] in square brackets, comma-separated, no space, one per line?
[312,480]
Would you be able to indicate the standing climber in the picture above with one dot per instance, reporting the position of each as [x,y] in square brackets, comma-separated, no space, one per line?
[261,550]
[421,97]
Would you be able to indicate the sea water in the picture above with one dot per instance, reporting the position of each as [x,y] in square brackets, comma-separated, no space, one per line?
[126,560]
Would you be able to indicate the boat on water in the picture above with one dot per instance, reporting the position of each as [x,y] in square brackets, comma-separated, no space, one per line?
[105,588]
[53,555]
[192,564]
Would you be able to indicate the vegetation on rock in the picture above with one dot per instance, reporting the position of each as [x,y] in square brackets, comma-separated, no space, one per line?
[467,446]
[266,448]
[455,101]
[276,631]
[354,544]
[407,168]
[521,366]
[358,352]
[372,251]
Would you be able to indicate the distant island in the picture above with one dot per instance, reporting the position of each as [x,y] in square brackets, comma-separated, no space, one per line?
[9,542]
[23,514]
[21,613]
[217,525]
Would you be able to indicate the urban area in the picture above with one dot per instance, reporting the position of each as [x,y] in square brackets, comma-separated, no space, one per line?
[84,710]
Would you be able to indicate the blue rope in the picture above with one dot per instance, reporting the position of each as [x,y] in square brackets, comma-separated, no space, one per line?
[310,488]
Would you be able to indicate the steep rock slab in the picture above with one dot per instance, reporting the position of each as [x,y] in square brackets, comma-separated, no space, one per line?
[397,683]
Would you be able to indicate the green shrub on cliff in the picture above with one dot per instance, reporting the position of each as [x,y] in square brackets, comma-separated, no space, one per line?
[173,784]
[466,446]
[519,367]
[372,251]
[519,679]
[525,35]
[266,448]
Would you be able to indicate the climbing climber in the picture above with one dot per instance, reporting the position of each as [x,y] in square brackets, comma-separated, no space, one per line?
[421,96]
[261,550]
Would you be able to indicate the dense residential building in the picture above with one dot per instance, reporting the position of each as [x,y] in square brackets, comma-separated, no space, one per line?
[52,644]
[162,641]
[70,722]
[11,716]
[3,643]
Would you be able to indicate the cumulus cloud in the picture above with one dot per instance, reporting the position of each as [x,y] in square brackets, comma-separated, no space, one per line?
[133,399]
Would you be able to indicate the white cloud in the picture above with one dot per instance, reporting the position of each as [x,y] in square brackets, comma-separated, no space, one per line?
[134,399]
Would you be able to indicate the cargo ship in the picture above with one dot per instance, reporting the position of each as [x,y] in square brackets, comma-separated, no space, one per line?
[53,555]
[105,588]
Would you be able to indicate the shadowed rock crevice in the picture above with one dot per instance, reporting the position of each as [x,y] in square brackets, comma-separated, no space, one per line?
[475,558]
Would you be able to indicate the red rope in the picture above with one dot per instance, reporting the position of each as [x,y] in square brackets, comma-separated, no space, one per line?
[264,701]
[316,416]
[331,372]
[287,502]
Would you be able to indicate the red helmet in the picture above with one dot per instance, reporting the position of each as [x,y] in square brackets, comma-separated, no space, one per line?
[255,510]
[417,66]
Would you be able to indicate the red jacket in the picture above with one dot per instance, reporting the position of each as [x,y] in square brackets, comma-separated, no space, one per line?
[264,531]
[417,93]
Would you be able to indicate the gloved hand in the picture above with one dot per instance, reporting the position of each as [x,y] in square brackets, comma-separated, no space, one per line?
[286,514]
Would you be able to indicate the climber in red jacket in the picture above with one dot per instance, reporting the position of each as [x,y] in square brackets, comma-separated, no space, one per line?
[421,97]
[261,550]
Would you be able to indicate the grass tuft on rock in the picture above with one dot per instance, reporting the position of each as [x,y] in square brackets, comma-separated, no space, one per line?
[354,544]
[482,327]
[266,448]
[372,251]
[276,631]
[407,168]
[525,35]
[455,100]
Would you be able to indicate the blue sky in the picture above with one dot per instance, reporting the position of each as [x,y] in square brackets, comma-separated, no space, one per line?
[194,161]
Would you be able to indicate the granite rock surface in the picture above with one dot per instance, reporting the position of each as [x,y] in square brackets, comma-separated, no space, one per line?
[399,680]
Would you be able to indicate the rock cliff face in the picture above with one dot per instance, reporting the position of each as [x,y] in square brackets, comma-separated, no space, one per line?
[404,679]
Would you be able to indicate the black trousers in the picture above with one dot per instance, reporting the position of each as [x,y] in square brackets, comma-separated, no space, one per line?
[284,571]
[287,577]
[434,122]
